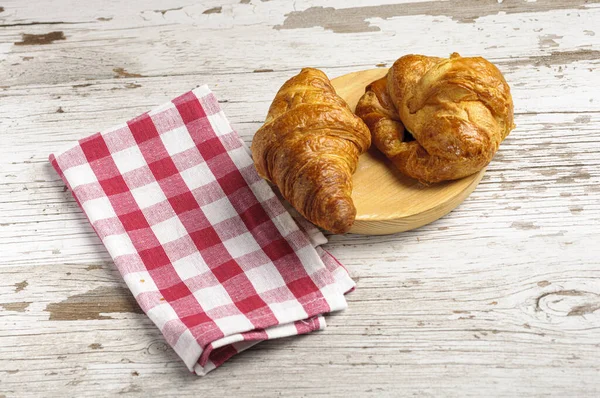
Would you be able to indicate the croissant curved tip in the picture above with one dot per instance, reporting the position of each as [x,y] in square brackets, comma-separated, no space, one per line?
[341,216]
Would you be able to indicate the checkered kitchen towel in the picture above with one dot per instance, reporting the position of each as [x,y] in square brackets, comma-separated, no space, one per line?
[205,246]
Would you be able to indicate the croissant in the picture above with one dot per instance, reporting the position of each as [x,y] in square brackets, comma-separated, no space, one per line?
[457,110]
[309,147]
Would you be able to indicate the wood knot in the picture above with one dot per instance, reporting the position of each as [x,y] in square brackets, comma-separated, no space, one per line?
[157,348]
[566,303]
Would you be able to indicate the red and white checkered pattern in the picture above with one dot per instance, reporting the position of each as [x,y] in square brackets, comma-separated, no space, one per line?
[203,243]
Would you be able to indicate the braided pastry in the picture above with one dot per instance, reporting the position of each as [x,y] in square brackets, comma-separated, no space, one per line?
[458,110]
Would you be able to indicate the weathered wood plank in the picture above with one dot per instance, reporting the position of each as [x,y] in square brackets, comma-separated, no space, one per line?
[501,297]
[188,41]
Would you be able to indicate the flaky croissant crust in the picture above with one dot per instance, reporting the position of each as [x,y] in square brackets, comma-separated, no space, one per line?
[309,147]
[457,109]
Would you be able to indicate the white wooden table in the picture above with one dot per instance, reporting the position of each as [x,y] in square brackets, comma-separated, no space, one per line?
[501,297]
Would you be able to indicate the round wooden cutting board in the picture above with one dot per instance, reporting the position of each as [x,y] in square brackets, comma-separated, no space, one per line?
[387,201]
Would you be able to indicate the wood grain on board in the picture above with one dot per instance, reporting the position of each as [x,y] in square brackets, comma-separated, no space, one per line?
[500,297]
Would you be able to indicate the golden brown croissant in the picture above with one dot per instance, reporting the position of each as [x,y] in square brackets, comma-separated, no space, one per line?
[309,147]
[457,109]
